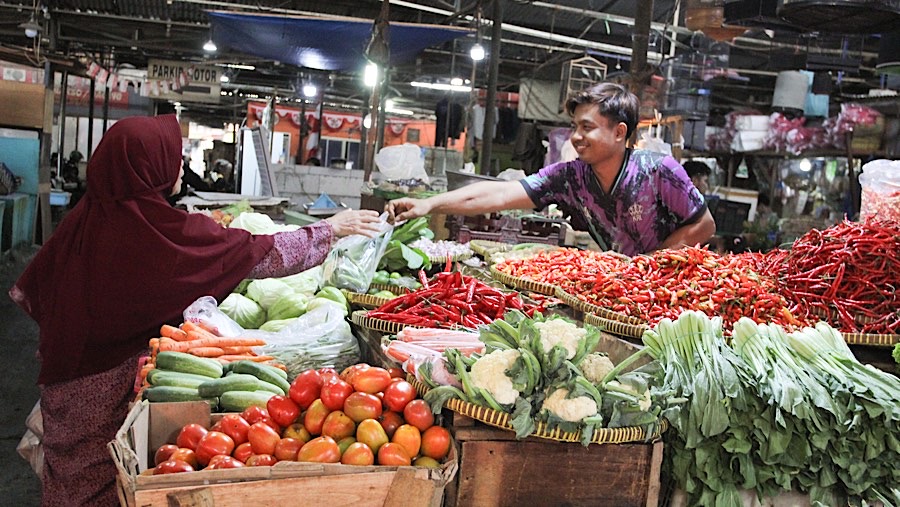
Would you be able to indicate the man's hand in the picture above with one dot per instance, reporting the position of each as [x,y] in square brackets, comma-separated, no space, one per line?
[406,208]
[349,222]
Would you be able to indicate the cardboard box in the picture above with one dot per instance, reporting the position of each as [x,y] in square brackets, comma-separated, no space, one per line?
[150,425]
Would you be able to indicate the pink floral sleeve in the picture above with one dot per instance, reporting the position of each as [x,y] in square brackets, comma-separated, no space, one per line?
[295,251]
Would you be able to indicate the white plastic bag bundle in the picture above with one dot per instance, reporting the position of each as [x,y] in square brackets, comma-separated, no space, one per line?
[402,162]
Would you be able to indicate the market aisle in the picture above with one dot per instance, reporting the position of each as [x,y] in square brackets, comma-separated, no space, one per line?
[19,486]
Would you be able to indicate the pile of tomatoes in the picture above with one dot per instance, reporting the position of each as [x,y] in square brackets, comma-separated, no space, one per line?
[365,415]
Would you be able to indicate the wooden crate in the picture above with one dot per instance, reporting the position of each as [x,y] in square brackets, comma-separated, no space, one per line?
[286,483]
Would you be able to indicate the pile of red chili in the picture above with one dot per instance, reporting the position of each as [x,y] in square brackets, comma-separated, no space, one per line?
[450,300]
[663,284]
[848,274]
[561,267]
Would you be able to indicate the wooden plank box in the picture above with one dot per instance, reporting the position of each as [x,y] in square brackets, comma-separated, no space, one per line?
[150,425]
[495,469]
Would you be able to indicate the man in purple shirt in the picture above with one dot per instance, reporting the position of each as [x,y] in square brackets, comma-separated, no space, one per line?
[630,201]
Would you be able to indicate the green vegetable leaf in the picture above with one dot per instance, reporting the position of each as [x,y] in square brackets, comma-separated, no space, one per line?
[522,420]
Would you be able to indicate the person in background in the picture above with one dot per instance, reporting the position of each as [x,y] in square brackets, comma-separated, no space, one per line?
[630,201]
[189,181]
[122,263]
[699,173]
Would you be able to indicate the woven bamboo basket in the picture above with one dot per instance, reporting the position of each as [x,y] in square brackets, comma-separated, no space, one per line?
[588,308]
[440,261]
[523,283]
[616,327]
[501,420]
[396,289]
[366,300]
[875,340]
[486,248]
[384,326]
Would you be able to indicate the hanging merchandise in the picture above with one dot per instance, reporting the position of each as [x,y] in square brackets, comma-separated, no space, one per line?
[791,88]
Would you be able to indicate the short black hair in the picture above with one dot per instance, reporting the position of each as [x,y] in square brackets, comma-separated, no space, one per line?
[615,101]
[695,168]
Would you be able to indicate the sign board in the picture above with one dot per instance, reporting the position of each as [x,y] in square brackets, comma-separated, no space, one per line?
[256,175]
[183,81]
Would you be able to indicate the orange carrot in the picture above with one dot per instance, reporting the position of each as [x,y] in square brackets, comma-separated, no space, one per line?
[278,365]
[199,332]
[218,341]
[154,343]
[206,351]
[239,350]
[239,357]
[208,327]
[173,333]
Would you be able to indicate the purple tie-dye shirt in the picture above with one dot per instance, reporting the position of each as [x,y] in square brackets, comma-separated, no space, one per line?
[651,197]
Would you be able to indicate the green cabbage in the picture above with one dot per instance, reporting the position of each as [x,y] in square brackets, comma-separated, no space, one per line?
[267,291]
[318,302]
[259,223]
[306,282]
[274,326]
[289,306]
[243,310]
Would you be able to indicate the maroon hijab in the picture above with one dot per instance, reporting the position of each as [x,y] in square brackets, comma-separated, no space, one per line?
[124,262]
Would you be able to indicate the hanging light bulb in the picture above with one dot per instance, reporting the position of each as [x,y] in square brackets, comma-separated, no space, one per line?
[31,27]
[370,75]
[477,52]
[210,46]
[310,90]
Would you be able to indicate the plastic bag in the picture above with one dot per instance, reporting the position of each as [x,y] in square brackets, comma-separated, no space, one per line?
[353,260]
[317,339]
[880,182]
[401,162]
[653,143]
[30,447]
[206,311]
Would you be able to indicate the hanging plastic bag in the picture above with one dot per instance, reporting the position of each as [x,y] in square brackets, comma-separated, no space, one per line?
[353,260]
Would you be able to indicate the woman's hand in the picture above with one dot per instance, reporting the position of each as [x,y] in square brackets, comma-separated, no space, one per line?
[364,221]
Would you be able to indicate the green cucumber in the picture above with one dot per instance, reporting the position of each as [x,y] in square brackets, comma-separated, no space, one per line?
[171,393]
[187,363]
[238,401]
[233,382]
[272,388]
[159,377]
[263,372]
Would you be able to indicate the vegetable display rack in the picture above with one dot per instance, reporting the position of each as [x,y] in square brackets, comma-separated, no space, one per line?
[599,311]
[384,326]
[523,283]
[501,420]
[616,327]
[366,300]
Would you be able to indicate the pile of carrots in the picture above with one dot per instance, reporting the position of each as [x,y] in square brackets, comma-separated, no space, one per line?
[199,340]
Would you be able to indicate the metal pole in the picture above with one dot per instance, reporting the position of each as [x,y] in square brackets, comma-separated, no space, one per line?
[90,132]
[491,99]
[105,109]
[63,100]
[643,18]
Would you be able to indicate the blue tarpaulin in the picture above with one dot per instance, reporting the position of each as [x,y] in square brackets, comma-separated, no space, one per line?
[321,43]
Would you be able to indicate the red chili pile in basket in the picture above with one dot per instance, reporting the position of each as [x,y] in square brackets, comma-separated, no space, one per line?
[561,267]
[450,300]
[848,274]
[667,282]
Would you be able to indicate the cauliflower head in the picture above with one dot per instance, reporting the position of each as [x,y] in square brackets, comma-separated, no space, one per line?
[489,373]
[595,366]
[559,331]
[569,409]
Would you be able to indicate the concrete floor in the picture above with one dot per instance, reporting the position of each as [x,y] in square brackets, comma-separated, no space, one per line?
[19,485]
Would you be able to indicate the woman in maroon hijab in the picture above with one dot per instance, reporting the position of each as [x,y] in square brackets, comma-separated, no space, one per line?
[122,263]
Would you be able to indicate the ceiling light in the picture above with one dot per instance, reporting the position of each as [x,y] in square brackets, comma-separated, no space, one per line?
[477,52]
[367,121]
[32,29]
[224,78]
[210,46]
[310,90]
[442,86]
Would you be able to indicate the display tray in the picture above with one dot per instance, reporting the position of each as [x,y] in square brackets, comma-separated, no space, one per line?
[501,420]
[588,308]
[396,289]
[486,248]
[366,300]
[440,261]
[385,326]
[875,340]
[523,283]
[616,327]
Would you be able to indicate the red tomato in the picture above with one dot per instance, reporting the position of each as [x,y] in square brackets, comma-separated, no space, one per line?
[314,418]
[186,455]
[337,426]
[409,437]
[305,388]
[262,438]
[242,452]
[173,466]
[286,449]
[372,434]
[189,435]
[358,453]
[334,392]
[418,413]
[217,426]
[211,444]
[320,450]
[371,380]
[398,394]
[393,455]
[350,372]
[362,406]
[219,462]
[235,427]
[328,373]
[261,460]
[283,410]
[390,421]
[396,373]
[254,414]
[436,442]
[163,453]
[297,431]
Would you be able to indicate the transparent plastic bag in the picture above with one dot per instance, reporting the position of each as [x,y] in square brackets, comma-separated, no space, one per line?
[880,183]
[206,311]
[402,162]
[353,260]
[30,447]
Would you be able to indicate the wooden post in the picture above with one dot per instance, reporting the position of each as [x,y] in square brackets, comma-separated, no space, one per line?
[491,99]
[643,16]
